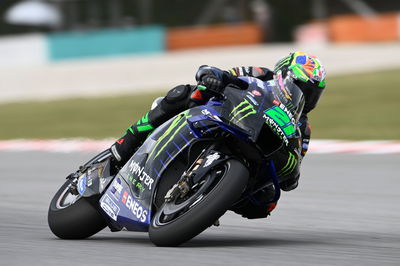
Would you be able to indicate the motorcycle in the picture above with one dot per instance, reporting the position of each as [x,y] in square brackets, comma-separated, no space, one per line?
[190,170]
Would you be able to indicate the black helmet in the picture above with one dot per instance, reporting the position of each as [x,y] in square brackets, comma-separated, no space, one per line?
[306,72]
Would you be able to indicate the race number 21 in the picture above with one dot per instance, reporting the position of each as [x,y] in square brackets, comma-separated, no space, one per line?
[282,119]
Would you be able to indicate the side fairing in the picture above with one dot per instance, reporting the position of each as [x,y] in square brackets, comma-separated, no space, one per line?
[128,200]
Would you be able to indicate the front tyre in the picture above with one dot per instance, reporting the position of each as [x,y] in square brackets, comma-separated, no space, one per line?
[73,217]
[211,205]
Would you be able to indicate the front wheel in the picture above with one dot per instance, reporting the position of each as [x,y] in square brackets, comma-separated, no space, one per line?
[207,204]
[72,216]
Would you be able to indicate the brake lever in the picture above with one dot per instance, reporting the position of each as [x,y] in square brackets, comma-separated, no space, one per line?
[215,94]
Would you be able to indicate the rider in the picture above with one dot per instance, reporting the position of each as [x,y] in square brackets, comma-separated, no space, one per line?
[305,71]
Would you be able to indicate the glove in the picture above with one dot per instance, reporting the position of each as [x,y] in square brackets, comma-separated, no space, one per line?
[211,78]
[212,83]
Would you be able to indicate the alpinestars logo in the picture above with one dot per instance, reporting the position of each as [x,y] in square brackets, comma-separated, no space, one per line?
[242,110]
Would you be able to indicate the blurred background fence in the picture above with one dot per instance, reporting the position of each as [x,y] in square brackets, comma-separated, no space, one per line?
[60,48]
[51,49]
[67,29]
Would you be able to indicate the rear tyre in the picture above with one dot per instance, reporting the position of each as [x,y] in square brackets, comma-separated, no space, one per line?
[207,208]
[73,217]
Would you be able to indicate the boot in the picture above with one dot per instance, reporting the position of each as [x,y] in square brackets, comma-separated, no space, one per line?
[258,206]
[290,183]
[123,149]
[176,100]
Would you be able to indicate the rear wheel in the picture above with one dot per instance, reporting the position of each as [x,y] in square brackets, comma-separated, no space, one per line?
[178,221]
[72,216]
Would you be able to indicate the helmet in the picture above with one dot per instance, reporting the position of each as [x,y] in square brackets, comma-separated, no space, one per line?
[306,72]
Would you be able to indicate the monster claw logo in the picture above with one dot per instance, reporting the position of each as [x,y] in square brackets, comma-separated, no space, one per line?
[242,110]
[289,166]
[179,122]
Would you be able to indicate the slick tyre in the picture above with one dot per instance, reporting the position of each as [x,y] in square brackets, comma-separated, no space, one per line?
[207,210]
[73,217]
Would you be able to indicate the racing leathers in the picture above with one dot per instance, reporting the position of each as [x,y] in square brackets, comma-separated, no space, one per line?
[183,97]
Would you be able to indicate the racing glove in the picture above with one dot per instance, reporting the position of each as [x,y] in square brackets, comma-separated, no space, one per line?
[211,78]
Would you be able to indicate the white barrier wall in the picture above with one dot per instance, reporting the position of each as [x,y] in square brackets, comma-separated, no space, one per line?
[25,50]
[35,80]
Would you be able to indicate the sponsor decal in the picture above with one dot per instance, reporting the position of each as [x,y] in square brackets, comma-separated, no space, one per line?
[289,166]
[116,188]
[281,120]
[256,93]
[89,178]
[125,197]
[141,175]
[211,158]
[286,110]
[276,102]
[82,184]
[109,207]
[89,181]
[179,122]
[103,182]
[276,128]
[136,208]
[206,112]
[244,109]
[135,183]
[283,117]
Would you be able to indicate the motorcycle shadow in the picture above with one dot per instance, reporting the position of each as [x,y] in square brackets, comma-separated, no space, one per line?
[244,242]
[124,238]
[209,241]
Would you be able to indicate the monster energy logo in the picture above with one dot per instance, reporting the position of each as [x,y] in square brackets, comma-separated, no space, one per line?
[282,63]
[244,109]
[179,122]
[290,165]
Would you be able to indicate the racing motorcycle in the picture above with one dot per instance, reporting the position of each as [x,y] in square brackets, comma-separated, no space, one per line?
[190,170]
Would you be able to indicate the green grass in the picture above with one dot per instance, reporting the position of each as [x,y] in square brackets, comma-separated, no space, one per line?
[364,106]
[93,118]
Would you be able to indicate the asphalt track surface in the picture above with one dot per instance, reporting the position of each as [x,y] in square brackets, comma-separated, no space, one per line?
[345,212]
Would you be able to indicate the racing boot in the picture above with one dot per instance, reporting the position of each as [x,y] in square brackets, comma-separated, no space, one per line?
[176,101]
[259,205]
[290,183]
[123,148]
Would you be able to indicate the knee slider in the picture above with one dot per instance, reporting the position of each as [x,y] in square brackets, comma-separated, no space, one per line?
[178,93]
[176,99]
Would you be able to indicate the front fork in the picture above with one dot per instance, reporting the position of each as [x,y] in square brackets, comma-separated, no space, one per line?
[193,176]
[275,180]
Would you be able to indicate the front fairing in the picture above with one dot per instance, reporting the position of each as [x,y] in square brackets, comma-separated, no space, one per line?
[265,103]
